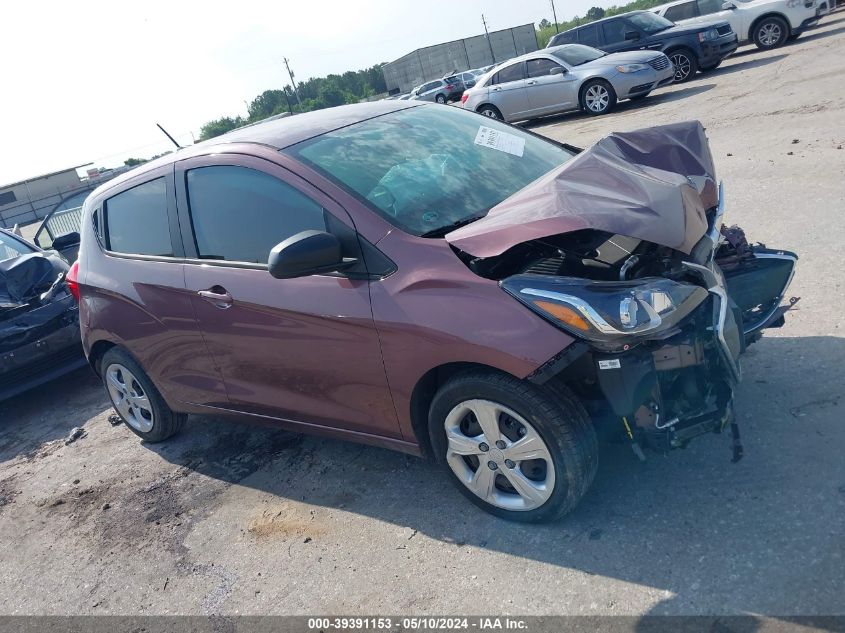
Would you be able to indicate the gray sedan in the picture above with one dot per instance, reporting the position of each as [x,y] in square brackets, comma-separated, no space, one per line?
[566,77]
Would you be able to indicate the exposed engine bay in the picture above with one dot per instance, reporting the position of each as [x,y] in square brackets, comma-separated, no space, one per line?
[624,247]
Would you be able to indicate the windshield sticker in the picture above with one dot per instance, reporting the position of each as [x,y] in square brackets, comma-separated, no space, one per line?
[502,141]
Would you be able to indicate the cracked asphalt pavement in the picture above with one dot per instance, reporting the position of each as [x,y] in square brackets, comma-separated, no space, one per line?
[238,519]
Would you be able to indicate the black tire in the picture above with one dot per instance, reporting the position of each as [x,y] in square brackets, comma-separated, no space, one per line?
[709,67]
[685,62]
[770,32]
[491,111]
[584,97]
[793,36]
[558,418]
[165,422]
[639,97]
[440,98]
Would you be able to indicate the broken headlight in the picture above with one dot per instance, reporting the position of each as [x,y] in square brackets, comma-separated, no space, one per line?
[610,313]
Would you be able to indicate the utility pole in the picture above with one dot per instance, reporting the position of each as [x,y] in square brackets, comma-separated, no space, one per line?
[487,35]
[295,91]
[554,15]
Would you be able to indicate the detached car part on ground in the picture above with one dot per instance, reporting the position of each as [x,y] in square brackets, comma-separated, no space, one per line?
[39,319]
[436,283]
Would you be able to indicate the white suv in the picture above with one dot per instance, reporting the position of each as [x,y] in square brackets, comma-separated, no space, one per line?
[767,23]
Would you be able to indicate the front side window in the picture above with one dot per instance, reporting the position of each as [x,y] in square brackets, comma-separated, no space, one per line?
[11,247]
[240,214]
[540,67]
[424,169]
[137,222]
[589,35]
[614,31]
[514,72]
[650,22]
[680,12]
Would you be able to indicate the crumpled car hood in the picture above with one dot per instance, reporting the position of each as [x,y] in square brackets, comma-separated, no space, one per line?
[654,184]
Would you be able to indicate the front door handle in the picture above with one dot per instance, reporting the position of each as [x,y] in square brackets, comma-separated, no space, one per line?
[217,296]
[531,83]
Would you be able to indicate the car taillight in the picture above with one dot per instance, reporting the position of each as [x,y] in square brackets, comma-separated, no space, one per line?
[464,97]
[72,280]
[450,86]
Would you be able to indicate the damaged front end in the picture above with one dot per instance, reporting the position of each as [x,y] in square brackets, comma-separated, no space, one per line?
[39,323]
[660,318]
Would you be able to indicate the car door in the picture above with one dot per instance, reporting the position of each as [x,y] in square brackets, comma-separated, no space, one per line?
[303,350]
[711,11]
[683,13]
[550,86]
[507,91]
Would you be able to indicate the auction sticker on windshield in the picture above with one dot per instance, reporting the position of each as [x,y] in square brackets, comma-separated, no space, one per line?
[502,141]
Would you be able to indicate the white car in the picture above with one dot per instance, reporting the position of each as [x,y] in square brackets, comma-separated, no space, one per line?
[766,23]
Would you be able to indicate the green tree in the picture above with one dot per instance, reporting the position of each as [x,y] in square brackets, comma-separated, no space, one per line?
[595,13]
[220,126]
[266,104]
[132,162]
[544,24]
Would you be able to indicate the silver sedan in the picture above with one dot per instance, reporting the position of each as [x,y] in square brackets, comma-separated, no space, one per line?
[567,77]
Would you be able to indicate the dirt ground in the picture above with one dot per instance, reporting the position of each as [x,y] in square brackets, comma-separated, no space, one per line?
[230,518]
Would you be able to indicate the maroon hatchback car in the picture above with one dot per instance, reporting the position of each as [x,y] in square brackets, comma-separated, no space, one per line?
[426,279]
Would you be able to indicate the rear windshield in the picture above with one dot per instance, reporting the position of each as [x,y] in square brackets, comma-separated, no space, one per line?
[576,54]
[10,247]
[427,168]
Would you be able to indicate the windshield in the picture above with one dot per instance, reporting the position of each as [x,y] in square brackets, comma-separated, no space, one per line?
[576,54]
[11,247]
[428,168]
[650,22]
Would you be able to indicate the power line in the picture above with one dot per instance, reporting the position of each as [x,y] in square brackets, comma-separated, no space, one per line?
[295,91]
[487,37]
[554,15]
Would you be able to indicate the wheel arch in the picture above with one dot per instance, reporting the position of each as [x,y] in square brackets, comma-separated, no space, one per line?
[484,104]
[769,14]
[98,350]
[425,390]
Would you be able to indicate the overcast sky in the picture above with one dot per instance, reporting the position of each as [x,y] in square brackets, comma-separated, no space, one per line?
[88,81]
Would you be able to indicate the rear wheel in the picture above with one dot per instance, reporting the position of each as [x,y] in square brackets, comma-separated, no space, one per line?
[136,399]
[597,97]
[685,64]
[513,449]
[491,111]
[440,98]
[770,32]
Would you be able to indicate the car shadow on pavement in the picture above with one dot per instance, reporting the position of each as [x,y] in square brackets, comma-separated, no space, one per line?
[51,410]
[817,35]
[747,64]
[709,536]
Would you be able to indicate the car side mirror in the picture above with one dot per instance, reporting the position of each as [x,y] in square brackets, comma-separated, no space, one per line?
[728,6]
[557,70]
[64,241]
[631,35]
[307,253]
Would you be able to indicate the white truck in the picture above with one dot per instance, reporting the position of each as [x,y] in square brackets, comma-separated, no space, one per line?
[766,23]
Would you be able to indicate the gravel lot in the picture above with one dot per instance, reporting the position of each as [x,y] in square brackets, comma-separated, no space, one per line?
[230,518]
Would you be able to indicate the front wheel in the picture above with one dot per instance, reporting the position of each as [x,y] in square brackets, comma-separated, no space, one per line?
[685,64]
[597,97]
[136,398]
[770,33]
[513,449]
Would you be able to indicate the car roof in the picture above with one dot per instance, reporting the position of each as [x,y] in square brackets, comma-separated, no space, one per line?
[278,133]
[660,7]
[611,17]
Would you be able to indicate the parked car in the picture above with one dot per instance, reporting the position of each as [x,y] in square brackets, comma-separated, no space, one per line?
[39,319]
[59,231]
[439,90]
[468,78]
[564,78]
[766,23]
[691,48]
[427,280]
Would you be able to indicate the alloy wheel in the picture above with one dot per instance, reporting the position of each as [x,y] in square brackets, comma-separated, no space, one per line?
[498,455]
[597,98]
[769,34]
[129,398]
[489,112]
[682,66]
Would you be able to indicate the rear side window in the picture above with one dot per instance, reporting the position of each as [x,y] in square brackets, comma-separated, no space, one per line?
[514,72]
[680,11]
[569,37]
[240,214]
[136,221]
[589,35]
[706,7]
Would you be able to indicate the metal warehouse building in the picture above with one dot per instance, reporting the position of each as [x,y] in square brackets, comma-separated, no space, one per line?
[433,62]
